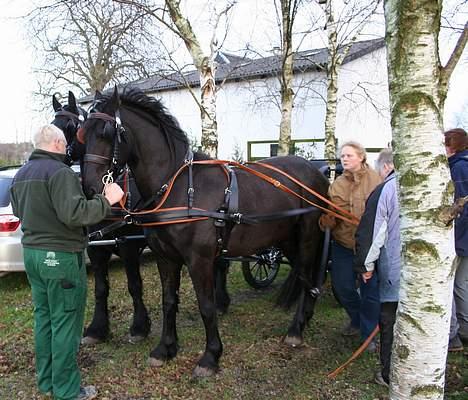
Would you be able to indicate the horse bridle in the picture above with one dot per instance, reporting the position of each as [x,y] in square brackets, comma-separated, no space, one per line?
[77,120]
[115,166]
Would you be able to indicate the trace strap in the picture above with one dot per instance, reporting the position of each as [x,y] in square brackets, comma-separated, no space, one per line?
[165,216]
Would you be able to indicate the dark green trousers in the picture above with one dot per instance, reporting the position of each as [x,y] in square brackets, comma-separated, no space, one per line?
[58,282]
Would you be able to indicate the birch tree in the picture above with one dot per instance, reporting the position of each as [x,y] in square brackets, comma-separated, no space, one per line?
[289,10]
[418,88]
[342,32]
[204,61]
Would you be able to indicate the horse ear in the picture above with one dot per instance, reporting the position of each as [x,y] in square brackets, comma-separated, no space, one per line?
[72,101]
[55,103]
[115,99]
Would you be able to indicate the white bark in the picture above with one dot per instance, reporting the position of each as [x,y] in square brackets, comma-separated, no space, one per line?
[421,331]
[288,13]
[206,67]
[209,138]
[338,49]
[332,85]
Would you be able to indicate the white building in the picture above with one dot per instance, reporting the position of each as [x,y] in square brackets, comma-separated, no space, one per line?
[248,114]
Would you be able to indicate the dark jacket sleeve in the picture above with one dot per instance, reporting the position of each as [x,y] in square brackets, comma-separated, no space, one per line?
[459,172]
[365,234]
[70,203]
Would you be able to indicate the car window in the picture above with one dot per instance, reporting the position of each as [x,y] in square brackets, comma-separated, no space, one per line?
[5,191]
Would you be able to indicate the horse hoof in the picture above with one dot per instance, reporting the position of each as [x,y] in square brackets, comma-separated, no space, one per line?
[293,341]
[135,339]
[202,372]
[89,340]
[155,362]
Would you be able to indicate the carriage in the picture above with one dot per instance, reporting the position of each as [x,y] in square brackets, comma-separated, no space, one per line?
[260,270]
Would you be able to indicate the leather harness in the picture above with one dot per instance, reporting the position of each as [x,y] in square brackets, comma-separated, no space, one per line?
[227,215]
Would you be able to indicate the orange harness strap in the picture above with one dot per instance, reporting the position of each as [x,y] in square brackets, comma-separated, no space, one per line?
[355,355]
[350,218]
[299,183]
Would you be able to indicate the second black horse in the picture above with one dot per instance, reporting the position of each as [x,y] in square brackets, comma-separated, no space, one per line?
[70,118]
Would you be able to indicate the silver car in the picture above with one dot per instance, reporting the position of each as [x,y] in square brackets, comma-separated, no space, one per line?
[11,251]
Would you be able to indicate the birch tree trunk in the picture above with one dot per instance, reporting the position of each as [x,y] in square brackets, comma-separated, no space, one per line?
[338,49]
[288,12]
[206,67]
[418,86]
[332,86]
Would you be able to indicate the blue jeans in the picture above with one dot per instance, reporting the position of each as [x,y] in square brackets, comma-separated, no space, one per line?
[363,306]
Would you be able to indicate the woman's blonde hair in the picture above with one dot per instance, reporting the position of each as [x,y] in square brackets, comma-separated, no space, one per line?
[360,150]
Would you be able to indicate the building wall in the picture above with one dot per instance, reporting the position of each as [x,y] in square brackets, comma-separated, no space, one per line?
[363,112]
[248,111]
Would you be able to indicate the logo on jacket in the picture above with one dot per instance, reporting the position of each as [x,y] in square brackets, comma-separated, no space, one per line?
[50,260]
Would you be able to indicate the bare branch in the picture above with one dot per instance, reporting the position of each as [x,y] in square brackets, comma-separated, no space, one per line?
[457,52]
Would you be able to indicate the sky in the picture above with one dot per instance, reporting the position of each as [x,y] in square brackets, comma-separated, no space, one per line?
[18,111]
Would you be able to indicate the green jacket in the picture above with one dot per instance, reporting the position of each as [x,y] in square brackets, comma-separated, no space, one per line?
[47,197]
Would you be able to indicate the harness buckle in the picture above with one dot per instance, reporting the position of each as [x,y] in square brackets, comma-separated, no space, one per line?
[107,179]
[236,217]
[190,190]
[163,189]
[219,222]
[227,190]
[95,235]
[314,292]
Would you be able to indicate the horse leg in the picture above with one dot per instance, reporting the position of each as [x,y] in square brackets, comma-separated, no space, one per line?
[222,296]
[141,325]
[98,330]
[169,273]
[307,263]
[201,273]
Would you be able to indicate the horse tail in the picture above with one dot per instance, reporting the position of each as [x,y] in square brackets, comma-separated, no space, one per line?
[290,290]
[306,273]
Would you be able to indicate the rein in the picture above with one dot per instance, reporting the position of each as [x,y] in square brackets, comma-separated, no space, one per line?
[238,218]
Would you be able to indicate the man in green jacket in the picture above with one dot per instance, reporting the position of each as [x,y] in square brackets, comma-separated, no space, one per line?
[47,197]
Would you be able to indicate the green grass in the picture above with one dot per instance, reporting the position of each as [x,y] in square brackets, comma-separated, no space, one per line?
[255,363]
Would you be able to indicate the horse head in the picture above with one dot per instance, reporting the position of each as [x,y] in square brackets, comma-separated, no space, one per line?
[70,118]
[106,141]
[131,128]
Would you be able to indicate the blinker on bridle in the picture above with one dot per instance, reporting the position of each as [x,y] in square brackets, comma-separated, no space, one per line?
[113,163]
[77,120]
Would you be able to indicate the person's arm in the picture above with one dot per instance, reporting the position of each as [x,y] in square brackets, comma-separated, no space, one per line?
[380,228]
[335,194]
[70,203]
[371,233]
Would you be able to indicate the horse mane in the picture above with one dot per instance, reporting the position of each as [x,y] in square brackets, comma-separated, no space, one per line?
[133,97]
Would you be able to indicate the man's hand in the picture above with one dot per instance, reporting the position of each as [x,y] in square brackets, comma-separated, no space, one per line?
[113,193]
[367,275]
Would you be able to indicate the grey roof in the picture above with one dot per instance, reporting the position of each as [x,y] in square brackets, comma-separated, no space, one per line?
[242,68]
[232,67]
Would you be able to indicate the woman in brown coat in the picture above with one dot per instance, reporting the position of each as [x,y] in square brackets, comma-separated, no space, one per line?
[350,191]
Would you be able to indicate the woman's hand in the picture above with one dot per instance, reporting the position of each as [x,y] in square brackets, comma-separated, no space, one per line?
[327,221]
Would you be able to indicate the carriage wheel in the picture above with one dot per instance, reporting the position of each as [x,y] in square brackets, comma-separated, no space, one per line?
[262,270]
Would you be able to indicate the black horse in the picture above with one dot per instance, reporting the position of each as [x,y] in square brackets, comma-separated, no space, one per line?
[70,118]
[135,129]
